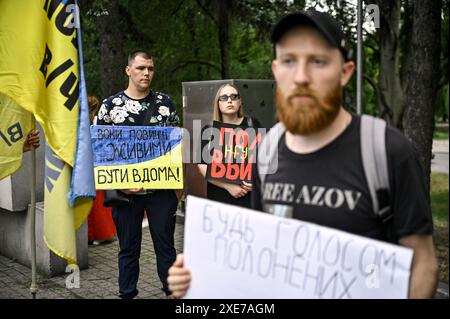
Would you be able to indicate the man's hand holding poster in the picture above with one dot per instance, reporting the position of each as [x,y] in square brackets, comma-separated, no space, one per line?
[233,152]
[146,157]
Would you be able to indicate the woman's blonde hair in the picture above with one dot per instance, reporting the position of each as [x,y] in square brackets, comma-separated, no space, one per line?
[94,105]
[217,115]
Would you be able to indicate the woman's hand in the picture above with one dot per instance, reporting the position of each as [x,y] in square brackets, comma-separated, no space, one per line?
[247,186]
[236,190]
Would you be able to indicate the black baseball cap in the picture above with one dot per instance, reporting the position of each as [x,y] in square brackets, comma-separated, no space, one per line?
[324,22]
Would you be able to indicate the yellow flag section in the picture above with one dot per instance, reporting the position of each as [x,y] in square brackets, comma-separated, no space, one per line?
[39,67]
[15,124]
[39,71]
[164,172]
[61,220]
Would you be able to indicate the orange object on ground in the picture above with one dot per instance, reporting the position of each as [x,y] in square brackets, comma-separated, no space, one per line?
[100,222]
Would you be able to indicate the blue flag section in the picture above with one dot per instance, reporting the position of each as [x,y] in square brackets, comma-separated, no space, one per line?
[82,183]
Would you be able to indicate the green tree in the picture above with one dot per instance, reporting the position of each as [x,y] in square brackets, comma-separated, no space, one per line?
[422,86]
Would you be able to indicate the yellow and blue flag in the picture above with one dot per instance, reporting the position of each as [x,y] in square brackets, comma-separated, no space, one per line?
[41,72]
[15,124]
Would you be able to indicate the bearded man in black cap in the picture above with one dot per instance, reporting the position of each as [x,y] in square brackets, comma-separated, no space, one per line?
[319,150]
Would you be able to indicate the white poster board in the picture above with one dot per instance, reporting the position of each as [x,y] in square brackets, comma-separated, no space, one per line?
[237,253]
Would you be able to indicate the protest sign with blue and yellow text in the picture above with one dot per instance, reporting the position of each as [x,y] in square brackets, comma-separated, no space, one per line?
[146,157]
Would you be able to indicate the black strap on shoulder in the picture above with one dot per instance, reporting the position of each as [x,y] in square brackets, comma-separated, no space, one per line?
[150,110]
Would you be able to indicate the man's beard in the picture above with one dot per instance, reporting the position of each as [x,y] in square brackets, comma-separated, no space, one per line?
[310,116]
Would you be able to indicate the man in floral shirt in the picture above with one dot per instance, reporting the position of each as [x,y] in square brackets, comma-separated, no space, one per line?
[130,107]
[121,109]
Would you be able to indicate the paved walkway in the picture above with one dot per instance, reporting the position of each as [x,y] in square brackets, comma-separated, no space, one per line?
[440,146]
[440,162]
[99,281]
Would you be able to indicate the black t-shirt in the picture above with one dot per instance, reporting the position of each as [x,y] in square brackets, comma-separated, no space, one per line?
[219,194]
[328,187]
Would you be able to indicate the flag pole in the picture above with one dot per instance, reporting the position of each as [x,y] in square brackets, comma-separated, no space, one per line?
[33,288]
[359,61]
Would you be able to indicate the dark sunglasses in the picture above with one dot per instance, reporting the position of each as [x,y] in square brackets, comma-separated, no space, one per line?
[233,97]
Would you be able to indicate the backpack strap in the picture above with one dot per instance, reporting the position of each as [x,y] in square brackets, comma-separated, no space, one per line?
[374,160]
[268,152]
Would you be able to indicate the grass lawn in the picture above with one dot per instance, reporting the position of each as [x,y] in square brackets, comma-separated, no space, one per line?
[440,135]
[439,206]
[439,198]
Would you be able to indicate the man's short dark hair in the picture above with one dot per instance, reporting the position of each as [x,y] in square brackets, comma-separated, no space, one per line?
[140,53]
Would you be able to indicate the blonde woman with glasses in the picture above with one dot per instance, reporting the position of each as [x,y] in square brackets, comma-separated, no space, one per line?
[227,108]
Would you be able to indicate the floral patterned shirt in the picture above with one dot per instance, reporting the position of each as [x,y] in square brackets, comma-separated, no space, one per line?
[120,109]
